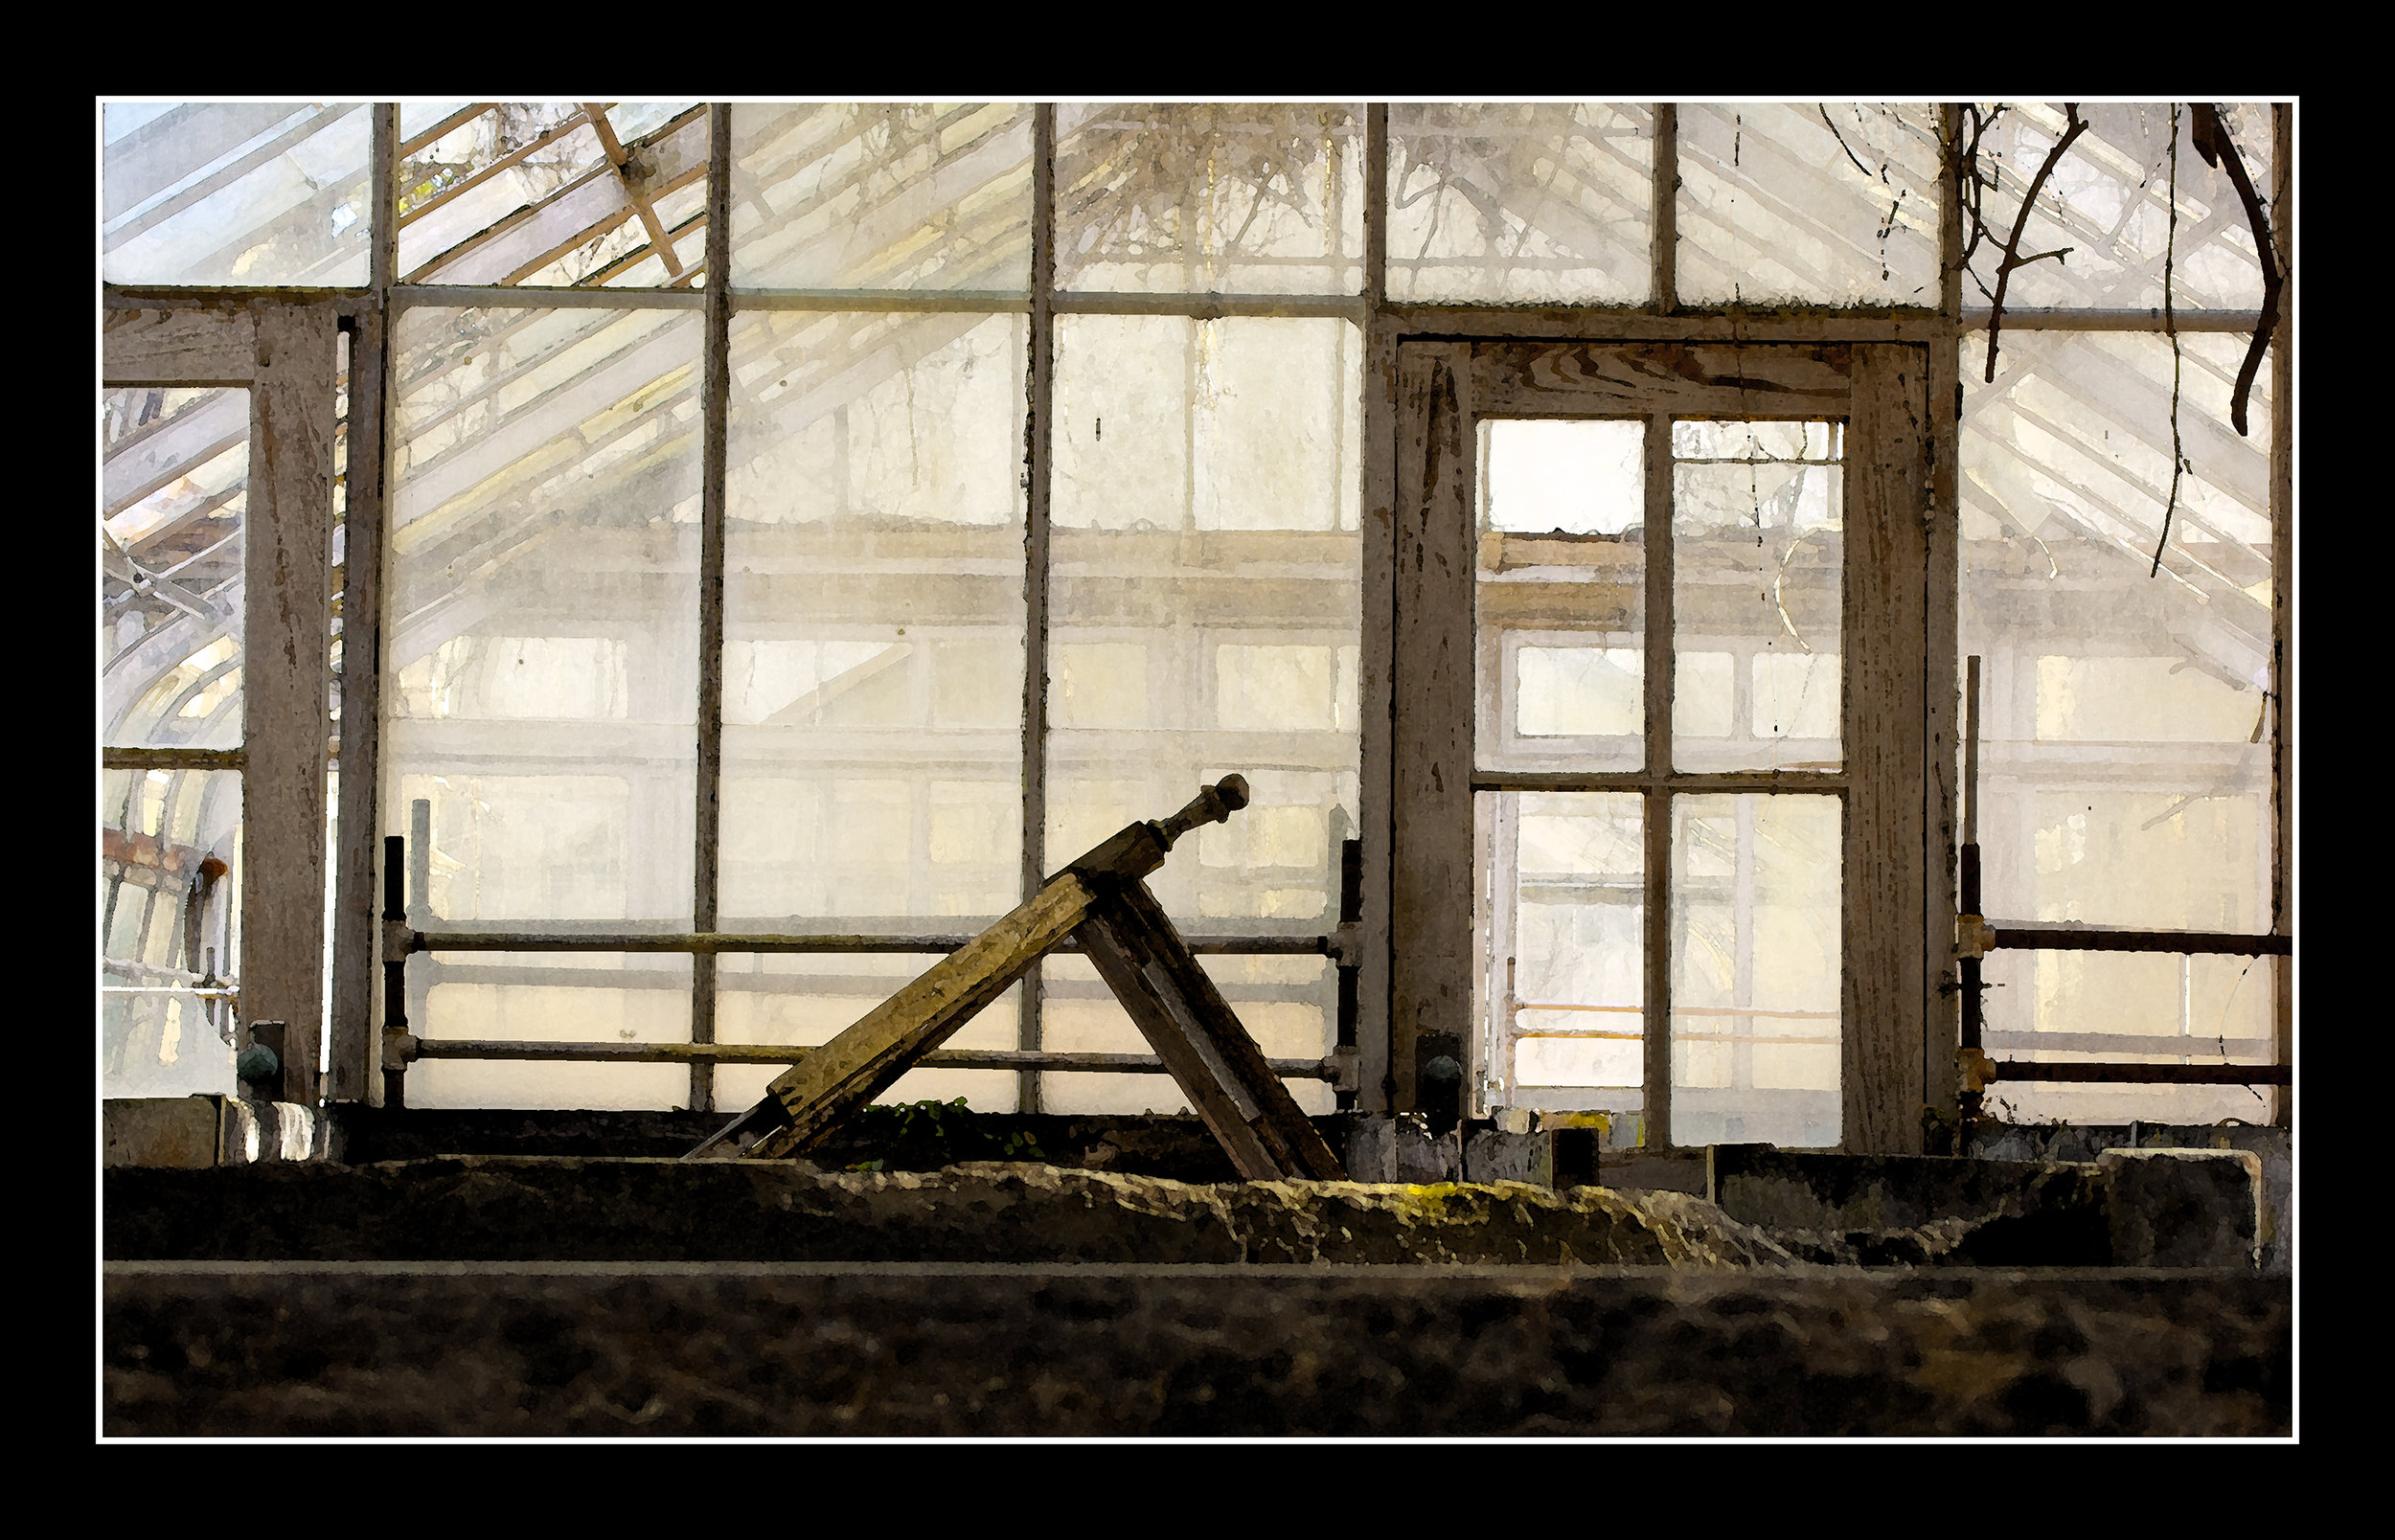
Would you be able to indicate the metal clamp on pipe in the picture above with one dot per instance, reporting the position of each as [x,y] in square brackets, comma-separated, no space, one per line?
[1974,935]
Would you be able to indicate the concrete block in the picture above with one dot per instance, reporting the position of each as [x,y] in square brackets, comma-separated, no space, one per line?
[1497,1155]
[175,1132]
[261,1131]
[2184,1208]
[1402,1149]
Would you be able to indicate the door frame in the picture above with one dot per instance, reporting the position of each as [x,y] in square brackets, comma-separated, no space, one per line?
[1898,802]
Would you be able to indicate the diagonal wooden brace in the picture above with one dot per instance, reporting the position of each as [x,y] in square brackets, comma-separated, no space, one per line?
[1100,900]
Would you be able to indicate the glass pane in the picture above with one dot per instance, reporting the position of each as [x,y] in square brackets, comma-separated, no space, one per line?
[1755,975]
[1758,522]
[173,488]
[801,999]
[1211,198]
[543,610]
[554,193]
[1288,1004]
[1518,202]
[2108,203]
[1560,599]
[2134,1007]
[1560,918]
[873,669]
[2124,731]
[248,192]
[1205,609]
[571,997]
[169,931]
[1816,202]
[882,195]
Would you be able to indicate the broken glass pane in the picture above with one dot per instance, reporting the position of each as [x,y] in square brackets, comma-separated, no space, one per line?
[1812,202]
[169,931]
[573,997]
[248,192]
[1521,202]
[554,194]
[1560,596]
[2124,729]
[173,488]
[1755,974]
[2107,206]
[1560,922]
[1210,198]
[1758,541]
[543,609]
[803,999]
[882,195]
[872,667]
[1205,608]
[1288,1004]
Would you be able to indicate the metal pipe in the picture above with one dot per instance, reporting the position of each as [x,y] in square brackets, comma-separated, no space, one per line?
[2143,1073]
[1324,1069]
[394,973]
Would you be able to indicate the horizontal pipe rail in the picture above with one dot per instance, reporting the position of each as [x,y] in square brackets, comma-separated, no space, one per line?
[946,1058]
[2078,938]
[2142,1074]
[1319,946]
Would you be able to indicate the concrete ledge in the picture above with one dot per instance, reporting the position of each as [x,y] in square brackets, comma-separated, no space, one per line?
[198,1132]
[526,1350]
[495,1208]
[2184,1208]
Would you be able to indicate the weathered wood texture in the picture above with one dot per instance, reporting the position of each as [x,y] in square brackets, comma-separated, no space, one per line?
[352,1067]
[1662,660]
[1038,416]
[1378,622]
[1884,889]
[1584,379]
[201,343]
[1941,1006]
[286,679]
[1431,737]
[2283,596]
[830,1086]
[1185,1019]
[716,402]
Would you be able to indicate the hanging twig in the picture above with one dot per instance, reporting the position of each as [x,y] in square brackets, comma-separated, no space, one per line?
[2213,142]
[2170,324]
[2074,127]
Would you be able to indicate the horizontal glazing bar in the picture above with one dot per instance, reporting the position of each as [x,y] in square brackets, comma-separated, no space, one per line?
[727,941]
[1349,306]
[2076,938]
[788,1053]
[1789,781]
[173,759]
[972,300]
[463,296]
[2116,320]
[2144,1074]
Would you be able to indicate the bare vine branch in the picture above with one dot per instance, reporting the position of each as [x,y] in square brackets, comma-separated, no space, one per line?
[2213,142]
[2074,127]
[2170,324]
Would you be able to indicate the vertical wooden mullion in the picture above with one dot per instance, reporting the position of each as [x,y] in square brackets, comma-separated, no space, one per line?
[1661,673]
[1431,721]
[354,1071]
[1884,842]
[286,695]
[1376,684]
[715,404]
[1941,1004]
[1039,387]
[2282,596]
[1665,218]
